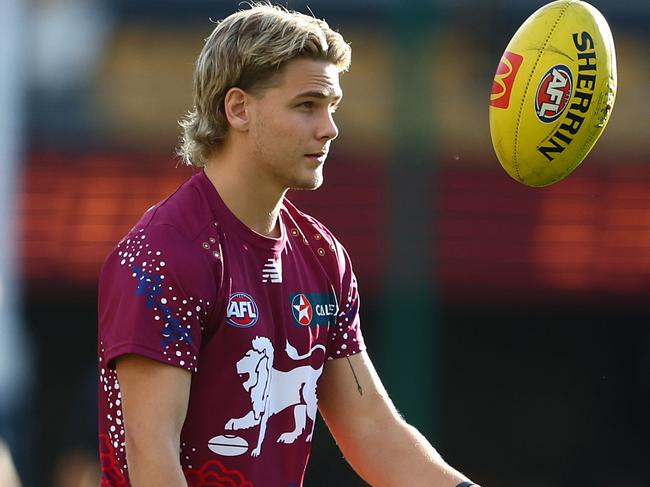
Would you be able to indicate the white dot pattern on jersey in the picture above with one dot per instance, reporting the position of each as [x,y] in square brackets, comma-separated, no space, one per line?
[110,385]
[176,314]
[344,326]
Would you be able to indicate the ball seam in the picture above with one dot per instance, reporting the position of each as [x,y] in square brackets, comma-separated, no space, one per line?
[532,72]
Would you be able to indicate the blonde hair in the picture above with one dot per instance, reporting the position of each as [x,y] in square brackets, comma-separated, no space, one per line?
[247,50]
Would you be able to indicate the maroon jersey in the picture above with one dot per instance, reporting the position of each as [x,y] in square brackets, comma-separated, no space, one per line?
[253,318]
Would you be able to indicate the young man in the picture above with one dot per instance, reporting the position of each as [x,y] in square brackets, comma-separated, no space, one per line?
[227,317]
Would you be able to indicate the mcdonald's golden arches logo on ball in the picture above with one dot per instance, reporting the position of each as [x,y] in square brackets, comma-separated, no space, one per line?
[504,79]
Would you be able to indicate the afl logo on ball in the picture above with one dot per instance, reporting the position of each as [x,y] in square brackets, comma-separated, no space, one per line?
[303,311]
[554,93]
[242,311]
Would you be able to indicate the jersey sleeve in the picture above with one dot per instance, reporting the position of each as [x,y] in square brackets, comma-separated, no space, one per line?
[156,293]
[345,337]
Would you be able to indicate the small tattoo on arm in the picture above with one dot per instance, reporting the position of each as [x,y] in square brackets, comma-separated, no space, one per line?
[355,377]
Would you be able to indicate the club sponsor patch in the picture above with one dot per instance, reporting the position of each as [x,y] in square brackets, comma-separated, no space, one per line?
[242,310]
[314,309]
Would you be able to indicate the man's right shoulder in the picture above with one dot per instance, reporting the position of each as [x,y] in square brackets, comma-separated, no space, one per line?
[186,210]
[176,226]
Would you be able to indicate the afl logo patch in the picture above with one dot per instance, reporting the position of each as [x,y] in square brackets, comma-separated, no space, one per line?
[303,311]
[553,93]
[242,310]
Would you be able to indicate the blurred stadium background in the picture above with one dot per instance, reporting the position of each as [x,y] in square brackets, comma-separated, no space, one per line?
[509,323]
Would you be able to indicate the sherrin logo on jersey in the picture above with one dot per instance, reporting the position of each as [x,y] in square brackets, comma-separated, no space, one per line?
[554,93]
[314,309]
[242,310]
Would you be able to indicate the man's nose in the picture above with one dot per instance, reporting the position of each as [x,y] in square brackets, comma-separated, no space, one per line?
[328,129]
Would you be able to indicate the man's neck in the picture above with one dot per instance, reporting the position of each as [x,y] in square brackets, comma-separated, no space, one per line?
[249,197]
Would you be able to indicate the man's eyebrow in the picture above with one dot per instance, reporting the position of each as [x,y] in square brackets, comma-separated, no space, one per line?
[322,94]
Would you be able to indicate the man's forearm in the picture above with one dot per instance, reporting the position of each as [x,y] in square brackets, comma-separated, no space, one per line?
[153,466]
[396,454]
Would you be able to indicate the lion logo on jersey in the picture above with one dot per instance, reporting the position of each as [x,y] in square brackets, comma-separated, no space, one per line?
[272,391]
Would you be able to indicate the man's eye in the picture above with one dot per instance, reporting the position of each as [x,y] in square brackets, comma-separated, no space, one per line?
[307,104]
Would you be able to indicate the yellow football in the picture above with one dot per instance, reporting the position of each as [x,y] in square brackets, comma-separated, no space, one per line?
[553,92]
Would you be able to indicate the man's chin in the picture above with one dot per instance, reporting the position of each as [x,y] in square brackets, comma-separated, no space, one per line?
[308,184]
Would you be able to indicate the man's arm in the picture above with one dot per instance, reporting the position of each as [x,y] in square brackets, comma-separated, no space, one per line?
[382,448]
[154,405]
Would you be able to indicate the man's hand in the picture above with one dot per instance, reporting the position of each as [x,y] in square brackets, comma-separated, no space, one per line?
[154,404]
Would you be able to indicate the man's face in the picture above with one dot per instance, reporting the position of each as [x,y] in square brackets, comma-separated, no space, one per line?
[292,124]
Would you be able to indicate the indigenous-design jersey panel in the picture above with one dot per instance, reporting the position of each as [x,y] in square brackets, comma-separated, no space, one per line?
[253,318]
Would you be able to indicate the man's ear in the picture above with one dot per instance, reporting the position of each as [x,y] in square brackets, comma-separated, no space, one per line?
[236,108]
